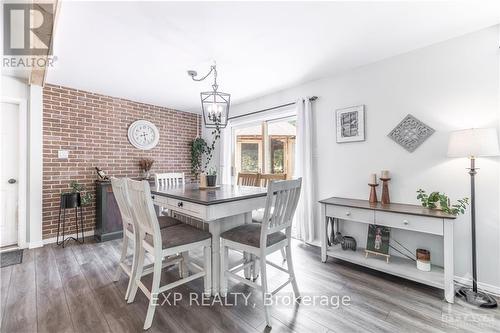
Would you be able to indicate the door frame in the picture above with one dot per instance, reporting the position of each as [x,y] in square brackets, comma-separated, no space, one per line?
[23,173]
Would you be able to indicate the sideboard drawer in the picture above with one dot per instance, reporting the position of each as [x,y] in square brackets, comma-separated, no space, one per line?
[349,213]
[424,224]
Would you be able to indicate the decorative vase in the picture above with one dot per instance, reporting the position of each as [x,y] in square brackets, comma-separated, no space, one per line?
[203,180]
[423,260]
[211,180]
[145,174]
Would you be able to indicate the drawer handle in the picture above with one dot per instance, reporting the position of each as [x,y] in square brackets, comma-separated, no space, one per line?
[348,213]
[180,204]
[406,222]
[153,197]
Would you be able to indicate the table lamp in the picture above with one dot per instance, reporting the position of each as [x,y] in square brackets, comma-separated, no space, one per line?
[473,143]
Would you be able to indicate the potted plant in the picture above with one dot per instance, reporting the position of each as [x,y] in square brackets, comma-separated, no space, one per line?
[145,165]
[77,197]
[200,148]
[441,201]
[212,177]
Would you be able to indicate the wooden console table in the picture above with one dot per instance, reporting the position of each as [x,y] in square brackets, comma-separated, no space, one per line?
[402,216]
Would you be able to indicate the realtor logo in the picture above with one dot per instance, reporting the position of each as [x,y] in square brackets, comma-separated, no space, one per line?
[27,29]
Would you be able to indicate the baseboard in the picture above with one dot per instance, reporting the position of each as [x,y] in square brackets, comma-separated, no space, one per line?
[34,245]
[54,239]
[488,288]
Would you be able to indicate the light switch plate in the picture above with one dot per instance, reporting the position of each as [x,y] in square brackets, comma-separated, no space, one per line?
[63,154]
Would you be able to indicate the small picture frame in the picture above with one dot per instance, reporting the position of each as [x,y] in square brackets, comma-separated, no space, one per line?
[378,239]
[350,124]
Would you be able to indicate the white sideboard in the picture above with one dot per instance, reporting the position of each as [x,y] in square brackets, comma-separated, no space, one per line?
[402,216]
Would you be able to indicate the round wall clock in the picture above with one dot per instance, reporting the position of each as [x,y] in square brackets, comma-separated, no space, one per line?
[143,134]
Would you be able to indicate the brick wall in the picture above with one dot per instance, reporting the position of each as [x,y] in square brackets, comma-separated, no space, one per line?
[94,128]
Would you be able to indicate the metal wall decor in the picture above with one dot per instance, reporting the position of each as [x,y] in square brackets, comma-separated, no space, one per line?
[410,133]
[214,104]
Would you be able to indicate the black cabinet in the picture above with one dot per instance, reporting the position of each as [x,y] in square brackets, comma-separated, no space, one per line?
[108,218]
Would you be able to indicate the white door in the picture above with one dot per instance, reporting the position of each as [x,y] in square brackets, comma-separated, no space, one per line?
[9,174]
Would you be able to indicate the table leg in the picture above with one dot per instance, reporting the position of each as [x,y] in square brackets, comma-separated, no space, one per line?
[216,228]
[449,285]
[324,232]
[247,256]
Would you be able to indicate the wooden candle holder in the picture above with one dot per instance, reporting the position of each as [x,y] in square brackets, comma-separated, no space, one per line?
[385,191]
[373,193]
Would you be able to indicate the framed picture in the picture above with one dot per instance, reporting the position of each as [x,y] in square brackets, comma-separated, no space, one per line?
[378,239]
[350,124]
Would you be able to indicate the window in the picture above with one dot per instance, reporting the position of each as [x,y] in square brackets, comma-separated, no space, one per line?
[265,147]
[250,157]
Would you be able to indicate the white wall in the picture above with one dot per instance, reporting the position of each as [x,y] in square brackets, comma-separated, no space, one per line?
[31,96]
[450,85]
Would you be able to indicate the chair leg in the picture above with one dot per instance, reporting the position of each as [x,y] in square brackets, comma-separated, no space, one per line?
[263,278]
[123,256]
[256,268]
[247,271]
[207,279]
[185,264]
[155,288]
[224,265]
[283,255]
[291,271]
[138,274]
[133,268]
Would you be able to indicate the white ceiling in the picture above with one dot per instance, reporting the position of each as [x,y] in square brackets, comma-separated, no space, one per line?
[141,50]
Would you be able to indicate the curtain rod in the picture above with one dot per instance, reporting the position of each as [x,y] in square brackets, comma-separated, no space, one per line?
[312,99]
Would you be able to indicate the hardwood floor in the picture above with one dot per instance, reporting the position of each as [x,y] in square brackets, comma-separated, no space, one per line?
[71,290]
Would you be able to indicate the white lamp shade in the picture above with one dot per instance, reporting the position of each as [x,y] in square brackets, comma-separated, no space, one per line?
[473,142]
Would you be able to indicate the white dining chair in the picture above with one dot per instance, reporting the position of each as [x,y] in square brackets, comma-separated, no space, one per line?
[262,239]
[258,215]
[161,243]
[169,179]
[130,233]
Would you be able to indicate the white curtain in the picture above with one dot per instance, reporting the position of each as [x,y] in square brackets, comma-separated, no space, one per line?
[304,216]
[226,153]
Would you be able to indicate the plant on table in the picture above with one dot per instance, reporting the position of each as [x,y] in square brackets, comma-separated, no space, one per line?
[145,165]
[437,200]
[199,148]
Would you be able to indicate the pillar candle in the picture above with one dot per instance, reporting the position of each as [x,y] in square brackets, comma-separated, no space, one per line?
[384,174]
[373,179]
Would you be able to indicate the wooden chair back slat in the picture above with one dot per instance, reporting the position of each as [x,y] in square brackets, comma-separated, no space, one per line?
[248,179]
[265,178]
[258,179]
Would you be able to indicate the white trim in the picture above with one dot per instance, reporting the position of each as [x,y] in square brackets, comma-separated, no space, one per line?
[9,248]
[54,239]
[498,164]
[489,288]
[22,175]
[34,245]
[35,172]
